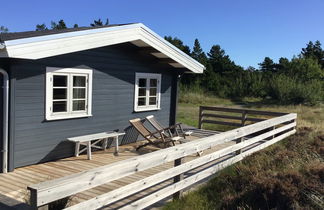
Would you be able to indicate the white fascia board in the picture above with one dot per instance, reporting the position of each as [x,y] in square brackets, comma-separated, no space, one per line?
[66,34]
[174,49]
[51,47]
[69,42]
[172,52]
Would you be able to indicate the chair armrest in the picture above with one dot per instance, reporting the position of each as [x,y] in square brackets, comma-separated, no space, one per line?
[164,129]
[174,126]
[153,134]
[168,128]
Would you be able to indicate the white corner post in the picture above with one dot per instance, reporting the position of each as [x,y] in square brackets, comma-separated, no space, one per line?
[5,119]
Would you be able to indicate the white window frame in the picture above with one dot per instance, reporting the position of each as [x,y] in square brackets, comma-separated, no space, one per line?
[70,72]
[147,107]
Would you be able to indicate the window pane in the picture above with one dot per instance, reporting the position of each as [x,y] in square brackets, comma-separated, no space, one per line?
[59,93]
[59,106]
[152,101]
[142,82]
[79,81]
[152,91]
[59,81]
[153,82]
[142,91]
[79,93]
[141,101]
[79,105]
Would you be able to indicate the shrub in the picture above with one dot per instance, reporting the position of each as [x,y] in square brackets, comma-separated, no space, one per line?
[305,69]
[289,90]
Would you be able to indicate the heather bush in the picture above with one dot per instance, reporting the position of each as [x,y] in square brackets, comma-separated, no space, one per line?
[288,175]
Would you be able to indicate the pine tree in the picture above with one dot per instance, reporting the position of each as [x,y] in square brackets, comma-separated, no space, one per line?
[3,29]
[198,53]
[107,22]
[283,64]
[178,43]
[41,27]
[99,23]
[220,62]
[314,51]
[267,65]
[58,26]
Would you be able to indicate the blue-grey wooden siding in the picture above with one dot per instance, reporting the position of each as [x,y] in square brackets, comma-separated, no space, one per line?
[37,140]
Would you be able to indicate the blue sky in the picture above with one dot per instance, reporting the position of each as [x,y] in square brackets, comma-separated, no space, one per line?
[248,30]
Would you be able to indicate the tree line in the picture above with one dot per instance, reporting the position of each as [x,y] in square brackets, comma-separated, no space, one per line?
[58,25]
[299,80]
[62,25]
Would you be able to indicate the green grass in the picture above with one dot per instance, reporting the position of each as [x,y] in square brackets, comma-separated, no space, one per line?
[287,175]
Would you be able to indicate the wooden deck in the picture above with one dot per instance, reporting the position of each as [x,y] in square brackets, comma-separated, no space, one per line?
[138,180]
[14,184]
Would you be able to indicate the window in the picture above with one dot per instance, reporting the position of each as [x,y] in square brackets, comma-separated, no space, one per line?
[68,93]
[147,92]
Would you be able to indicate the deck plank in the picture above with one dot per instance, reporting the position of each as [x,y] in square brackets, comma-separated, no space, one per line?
[14,183]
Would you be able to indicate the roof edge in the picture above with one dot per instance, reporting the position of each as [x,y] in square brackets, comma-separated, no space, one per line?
[116,34]
[66,34]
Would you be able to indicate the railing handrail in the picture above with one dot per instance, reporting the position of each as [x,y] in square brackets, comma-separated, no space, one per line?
[242,119]
[241,110]
[46,192]
[152,180]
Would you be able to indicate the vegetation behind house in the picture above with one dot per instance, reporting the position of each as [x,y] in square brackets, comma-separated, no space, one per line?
[296,81]
[287,175]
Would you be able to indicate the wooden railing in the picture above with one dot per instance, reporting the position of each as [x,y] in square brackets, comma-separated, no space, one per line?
[236,118]
[266,132]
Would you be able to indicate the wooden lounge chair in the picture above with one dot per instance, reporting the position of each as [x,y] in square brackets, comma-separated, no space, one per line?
[153,138]
[168,131]
[177,128]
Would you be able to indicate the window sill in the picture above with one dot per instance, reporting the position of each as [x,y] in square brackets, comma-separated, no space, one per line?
[147,109]
[66,117]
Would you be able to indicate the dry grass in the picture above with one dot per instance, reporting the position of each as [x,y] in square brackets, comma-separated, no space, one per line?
[287,175]
[308,116]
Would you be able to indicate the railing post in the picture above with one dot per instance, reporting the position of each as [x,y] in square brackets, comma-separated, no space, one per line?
[33,201]
[178,178]
[244,115]
[200,117]
[294,120]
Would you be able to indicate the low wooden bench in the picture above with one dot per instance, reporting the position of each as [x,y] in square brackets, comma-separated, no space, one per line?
[92,141]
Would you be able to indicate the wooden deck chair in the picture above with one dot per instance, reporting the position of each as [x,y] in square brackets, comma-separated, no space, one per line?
[177,127]
[153,138]
[168,131]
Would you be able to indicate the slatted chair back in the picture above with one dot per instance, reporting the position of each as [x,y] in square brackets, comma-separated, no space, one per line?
[171,131]
[154,122]
[138,125]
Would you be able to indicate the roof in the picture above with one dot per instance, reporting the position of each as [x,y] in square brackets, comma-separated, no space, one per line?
[29,34]
[42,44]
